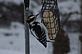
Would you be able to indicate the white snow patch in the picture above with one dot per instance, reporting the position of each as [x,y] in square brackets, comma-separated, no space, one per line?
[10,52]
[67,7]
[13,38]
[74,43]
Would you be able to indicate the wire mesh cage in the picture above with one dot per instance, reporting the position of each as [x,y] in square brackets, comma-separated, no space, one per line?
[50,17]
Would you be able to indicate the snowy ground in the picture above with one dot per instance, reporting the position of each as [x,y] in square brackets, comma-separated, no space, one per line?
[12,39]
[74,43]
[10,52]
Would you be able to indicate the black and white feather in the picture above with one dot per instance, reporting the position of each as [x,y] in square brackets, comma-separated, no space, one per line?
[37,28]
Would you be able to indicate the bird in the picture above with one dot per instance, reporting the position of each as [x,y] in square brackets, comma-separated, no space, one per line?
[38,29]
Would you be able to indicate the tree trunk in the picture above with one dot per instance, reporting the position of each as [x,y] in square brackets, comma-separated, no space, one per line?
[61,45]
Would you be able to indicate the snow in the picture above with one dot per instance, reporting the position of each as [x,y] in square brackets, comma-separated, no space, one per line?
[14,1]
[75,17]
[14,42]
[10,52]
[13,38]
[70,7]
[67,7]
[74,43]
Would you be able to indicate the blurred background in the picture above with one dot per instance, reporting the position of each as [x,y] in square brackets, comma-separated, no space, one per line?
[12,35]
[12,40]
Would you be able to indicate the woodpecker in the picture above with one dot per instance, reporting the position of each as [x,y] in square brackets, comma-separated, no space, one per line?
[38,29]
